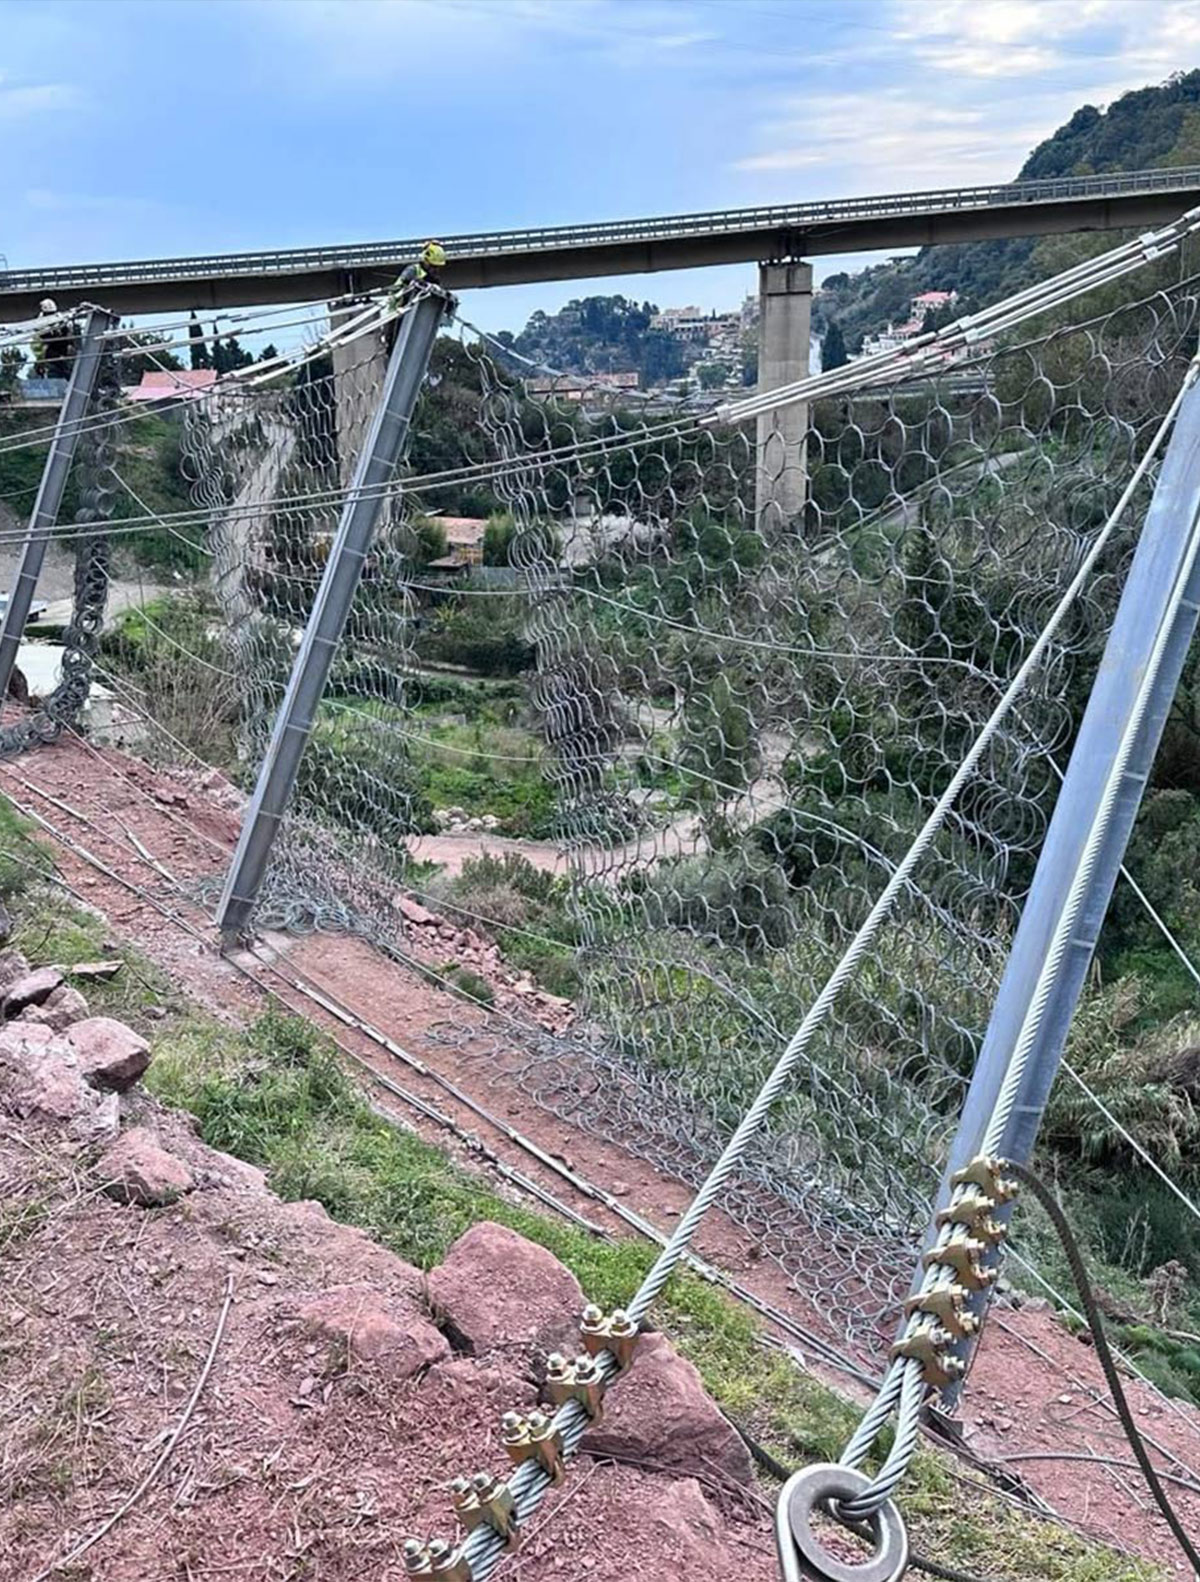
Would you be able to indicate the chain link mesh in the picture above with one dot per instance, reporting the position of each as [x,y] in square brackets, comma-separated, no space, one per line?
[710,728]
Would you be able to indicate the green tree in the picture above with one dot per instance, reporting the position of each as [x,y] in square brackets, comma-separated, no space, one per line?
[198,347]
[833,347]
[11,361]
[712,375]
[135,362]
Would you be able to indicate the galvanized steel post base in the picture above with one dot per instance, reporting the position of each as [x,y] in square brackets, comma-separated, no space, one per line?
[380,457]
[44,516]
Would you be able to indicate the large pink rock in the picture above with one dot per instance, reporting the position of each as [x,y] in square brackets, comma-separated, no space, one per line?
[137,1170]
[38,1073]
[32,989]
[64,1007]
[659,1415]
[389,1335]
[495,1291]
[111,1056]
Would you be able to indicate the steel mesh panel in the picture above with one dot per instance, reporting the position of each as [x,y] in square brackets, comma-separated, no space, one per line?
[744,716]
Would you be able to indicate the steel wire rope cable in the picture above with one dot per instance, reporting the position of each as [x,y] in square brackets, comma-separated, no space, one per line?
[187,825]
[1087,1296]
[905,1378]
[260,372]
[483,1549]
[706,1271]
[741,1293]
[1014,310]
[932,348]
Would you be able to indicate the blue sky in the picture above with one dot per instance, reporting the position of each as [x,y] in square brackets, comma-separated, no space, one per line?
[143,128]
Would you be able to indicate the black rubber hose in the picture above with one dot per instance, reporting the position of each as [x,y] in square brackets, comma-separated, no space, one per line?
[1087,1296]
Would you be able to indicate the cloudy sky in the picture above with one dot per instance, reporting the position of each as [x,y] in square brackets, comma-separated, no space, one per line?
[143,128]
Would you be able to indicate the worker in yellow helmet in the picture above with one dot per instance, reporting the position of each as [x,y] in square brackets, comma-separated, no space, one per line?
[423,271]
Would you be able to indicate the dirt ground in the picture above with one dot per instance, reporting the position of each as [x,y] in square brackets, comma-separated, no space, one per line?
[1036,1401]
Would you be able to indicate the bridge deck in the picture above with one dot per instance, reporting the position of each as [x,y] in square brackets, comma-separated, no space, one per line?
[913,219]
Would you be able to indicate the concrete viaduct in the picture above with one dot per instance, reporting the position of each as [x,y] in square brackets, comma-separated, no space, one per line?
[776,238]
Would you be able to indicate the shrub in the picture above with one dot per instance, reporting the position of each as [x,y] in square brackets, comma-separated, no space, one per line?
[469,984]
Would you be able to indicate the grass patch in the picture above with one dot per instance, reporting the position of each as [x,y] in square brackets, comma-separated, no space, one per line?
[277,1096]
[63,934]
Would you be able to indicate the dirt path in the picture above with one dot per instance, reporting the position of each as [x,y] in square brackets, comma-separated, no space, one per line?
[1036,1391]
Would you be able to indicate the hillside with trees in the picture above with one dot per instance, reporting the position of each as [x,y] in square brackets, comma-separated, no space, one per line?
[1150,127]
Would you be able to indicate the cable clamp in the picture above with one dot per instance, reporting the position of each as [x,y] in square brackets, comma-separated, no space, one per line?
[973,1211]
[534,1438]
[435,1558]
[580,1381]
[948,1305]
[485,1502]
[929,1346]
[987,1174]
[616,1333]
[962,1254]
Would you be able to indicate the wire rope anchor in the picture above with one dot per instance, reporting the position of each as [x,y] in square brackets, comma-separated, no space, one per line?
[803,1556]
[484,1501]
[534,1438]
[580,1381]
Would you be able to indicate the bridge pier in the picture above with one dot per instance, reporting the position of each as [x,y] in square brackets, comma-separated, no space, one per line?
[784,321]
[359,367]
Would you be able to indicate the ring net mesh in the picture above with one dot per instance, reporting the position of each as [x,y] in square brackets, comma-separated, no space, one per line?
[724,677]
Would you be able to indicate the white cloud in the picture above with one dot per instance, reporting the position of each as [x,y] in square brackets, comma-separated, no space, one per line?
[21,100]
[891,139]
[1014,38]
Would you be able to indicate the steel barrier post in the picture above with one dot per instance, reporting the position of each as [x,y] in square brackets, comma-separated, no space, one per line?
[377,463]
[46,506]
[1156,567]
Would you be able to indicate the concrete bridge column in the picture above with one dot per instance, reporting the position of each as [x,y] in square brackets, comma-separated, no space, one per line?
[358,369]
[784,315]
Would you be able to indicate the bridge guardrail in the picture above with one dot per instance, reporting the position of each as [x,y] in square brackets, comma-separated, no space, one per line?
[670,227]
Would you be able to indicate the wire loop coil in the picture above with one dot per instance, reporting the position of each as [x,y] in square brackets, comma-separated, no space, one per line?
[802,1555]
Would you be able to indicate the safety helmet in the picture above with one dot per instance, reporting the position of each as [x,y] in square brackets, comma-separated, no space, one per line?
[433,254]
[47,305]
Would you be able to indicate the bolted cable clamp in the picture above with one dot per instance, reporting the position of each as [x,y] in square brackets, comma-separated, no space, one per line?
[616,1333]
[485,1502]
[929,1346]
[580,1381]
[987,1174]
[962,1254]
[974,1211]
[435,1558]
[948,1305]
[534,1438]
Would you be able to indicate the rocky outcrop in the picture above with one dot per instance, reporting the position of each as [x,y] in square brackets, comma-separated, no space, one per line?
[111,1055]
[137,1170]
[63,1007]
[658,1415]
[33,989]
[495,1291]
[358,1319]
[41,1077]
